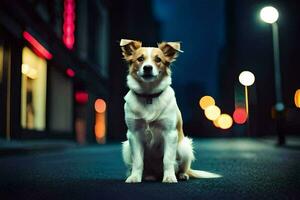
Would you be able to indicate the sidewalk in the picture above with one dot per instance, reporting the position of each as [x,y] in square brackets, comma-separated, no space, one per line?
[21,147]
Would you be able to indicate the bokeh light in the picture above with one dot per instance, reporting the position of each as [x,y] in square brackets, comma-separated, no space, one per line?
[100,127]
[29,71]
[100,121]
[81,97]
[100,106]
[212,112]
[297,98]
[279,106]
[206,101]
[70,72]
[240,115]
[246,78]
[269,14]
[215,122]
[225,121]
[69,23]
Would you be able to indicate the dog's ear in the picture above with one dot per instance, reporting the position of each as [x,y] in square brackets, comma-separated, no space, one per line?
[129,47]
[170,50]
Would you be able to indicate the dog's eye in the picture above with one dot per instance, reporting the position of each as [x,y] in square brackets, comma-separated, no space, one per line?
[157,59]
[141,59]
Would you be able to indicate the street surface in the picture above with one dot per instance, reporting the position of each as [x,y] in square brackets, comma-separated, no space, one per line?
[250,169]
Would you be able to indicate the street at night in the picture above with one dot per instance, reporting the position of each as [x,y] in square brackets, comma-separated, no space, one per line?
[79,77]
[250,169]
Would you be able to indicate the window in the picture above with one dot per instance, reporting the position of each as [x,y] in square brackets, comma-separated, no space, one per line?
[33,91]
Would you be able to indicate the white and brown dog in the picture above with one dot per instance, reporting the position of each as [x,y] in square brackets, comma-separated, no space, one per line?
[156,147]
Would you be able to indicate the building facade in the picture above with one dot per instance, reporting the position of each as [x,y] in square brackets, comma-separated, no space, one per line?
[53,69]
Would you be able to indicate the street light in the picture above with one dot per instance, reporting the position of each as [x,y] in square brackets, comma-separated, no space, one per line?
[270,15]
[246,78]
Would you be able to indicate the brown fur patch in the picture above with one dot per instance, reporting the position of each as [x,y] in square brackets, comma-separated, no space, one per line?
[179,126]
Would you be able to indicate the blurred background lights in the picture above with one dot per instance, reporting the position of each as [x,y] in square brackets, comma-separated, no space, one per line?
[269,14]
[225,121]
[29,71]
[38,48]
[240,115]
[297,98]
[246,78]
[81,97]
[70,72]
[100,121]
[100,106]
[206,101]
[279,106]
[215,122]
[212,112]
[69,23]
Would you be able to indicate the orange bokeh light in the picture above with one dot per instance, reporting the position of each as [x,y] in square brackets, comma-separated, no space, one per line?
[100,127]
[206,101]
[100,121]
[100,106]
[216,123]
[297,98]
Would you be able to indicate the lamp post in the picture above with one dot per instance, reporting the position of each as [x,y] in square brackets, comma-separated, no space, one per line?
[247,78]
[270,15]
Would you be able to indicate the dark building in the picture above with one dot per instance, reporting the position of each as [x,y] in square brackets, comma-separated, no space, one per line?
[54,65]
[54,95]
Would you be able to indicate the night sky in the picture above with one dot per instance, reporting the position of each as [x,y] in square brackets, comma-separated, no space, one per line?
[199,25]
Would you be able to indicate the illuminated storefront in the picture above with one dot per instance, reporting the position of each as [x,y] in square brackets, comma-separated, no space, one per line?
[48,87]
[33,91]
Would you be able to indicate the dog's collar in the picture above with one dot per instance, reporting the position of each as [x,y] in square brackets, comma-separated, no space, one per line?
[148,97]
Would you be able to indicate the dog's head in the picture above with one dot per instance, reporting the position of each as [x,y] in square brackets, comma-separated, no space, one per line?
[148,64]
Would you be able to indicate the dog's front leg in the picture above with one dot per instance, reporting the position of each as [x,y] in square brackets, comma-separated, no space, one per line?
[137,153]
[169,160]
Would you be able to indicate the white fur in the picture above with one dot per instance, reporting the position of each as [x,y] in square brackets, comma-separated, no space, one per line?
[148,88]
[152,148]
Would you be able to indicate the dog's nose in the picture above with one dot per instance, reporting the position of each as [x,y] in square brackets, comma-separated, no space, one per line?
[148,68]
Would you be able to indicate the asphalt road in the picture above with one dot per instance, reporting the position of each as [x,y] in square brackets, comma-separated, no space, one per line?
[250,169]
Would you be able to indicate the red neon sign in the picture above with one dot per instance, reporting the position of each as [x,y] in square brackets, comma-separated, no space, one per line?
[38,47]
[69,25]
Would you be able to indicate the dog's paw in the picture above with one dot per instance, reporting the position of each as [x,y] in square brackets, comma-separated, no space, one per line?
[134,179]
[169,179]
[183,177]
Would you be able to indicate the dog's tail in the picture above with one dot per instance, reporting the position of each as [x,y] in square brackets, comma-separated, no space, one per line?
[202,174]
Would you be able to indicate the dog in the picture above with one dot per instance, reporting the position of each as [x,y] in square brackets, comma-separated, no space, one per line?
[156,148]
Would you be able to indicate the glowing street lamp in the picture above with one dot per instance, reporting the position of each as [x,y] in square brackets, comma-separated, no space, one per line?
[246,78]
[270,15]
